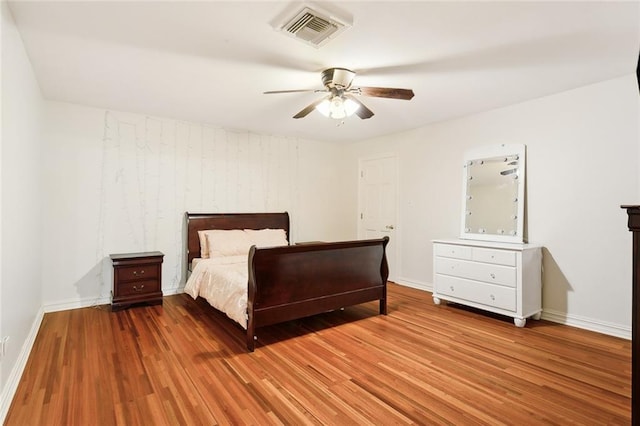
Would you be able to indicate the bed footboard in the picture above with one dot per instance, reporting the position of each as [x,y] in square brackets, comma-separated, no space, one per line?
[291,282]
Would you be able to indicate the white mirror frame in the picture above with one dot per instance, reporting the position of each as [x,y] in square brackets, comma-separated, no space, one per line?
[492,152]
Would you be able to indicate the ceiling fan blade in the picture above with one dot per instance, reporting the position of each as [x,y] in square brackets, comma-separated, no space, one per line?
[310,107]
[270,92]
[386,92]
[363,112]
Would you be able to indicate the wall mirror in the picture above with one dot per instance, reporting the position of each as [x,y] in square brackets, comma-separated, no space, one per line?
[493,194]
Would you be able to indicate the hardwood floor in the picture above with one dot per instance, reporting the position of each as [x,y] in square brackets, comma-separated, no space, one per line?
[183,363]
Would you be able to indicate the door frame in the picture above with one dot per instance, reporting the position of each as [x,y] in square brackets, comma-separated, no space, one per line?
[394,263]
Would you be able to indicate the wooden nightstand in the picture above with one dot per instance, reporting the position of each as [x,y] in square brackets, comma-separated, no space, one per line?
[137,278]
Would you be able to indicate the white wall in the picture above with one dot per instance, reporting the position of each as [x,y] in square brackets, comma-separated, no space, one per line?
[582,164]
[116,183]
[20,230]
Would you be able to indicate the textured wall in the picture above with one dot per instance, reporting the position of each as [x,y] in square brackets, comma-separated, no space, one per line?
[154,170]
[120,183]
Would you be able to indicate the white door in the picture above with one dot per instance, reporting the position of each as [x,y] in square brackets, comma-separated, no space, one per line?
[378,187]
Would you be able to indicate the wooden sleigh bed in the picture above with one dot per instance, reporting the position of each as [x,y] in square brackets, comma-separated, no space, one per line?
[295,281]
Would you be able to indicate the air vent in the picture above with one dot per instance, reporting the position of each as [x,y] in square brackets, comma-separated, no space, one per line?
[312,27]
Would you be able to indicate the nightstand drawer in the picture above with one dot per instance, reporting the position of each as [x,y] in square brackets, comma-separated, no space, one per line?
[137,287]
[141,272]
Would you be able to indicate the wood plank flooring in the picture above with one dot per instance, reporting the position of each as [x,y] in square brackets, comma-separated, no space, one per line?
[184,363]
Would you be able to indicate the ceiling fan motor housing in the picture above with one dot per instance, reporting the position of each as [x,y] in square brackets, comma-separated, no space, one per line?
[340,101]
[339,78]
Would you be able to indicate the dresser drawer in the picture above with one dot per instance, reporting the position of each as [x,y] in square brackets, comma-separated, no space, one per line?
[138,272]
[129,288]
[487,294]
[498,257]
[453,251]
[486,272]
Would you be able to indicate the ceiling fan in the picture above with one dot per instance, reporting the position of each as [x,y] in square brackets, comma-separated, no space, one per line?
[340,101]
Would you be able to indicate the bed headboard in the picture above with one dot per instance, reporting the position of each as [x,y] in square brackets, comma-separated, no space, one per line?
[201,221]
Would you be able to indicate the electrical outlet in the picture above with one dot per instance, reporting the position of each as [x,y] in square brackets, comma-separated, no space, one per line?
[3,346]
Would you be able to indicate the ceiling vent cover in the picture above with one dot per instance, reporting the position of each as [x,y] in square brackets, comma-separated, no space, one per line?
[313,27]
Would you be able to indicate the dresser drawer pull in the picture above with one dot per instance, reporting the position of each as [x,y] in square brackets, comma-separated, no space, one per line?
[451,287]
[138,289]
[492,275]
[492,297]
[136,272]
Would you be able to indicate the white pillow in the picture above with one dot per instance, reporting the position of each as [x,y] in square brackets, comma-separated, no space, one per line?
[230,242]
[204,245]
[267,237]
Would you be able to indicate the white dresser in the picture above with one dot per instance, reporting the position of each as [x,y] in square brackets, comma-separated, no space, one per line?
[505,278]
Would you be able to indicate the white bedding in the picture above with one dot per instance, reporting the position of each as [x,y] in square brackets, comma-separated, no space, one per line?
[222,281]
[221,275]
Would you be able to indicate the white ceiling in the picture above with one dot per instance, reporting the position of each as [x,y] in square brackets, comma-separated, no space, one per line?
[210,61]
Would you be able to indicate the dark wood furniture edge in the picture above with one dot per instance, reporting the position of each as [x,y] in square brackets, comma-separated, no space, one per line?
[195,222]
[633,211]
[357,274]
[118,306]
[137,255]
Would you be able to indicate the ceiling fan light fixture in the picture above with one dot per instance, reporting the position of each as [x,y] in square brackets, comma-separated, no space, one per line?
[341,101]
[350,107]
[337,107]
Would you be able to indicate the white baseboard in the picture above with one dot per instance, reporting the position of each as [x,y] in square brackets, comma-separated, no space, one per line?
[68,304]
[65,305]
[172,291]
[590,324]
[18,368]
[585,323]
[414,284]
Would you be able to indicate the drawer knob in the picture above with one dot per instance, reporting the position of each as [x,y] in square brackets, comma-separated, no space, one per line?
[451,287]
[492,275]
[492,297]
[135,288]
